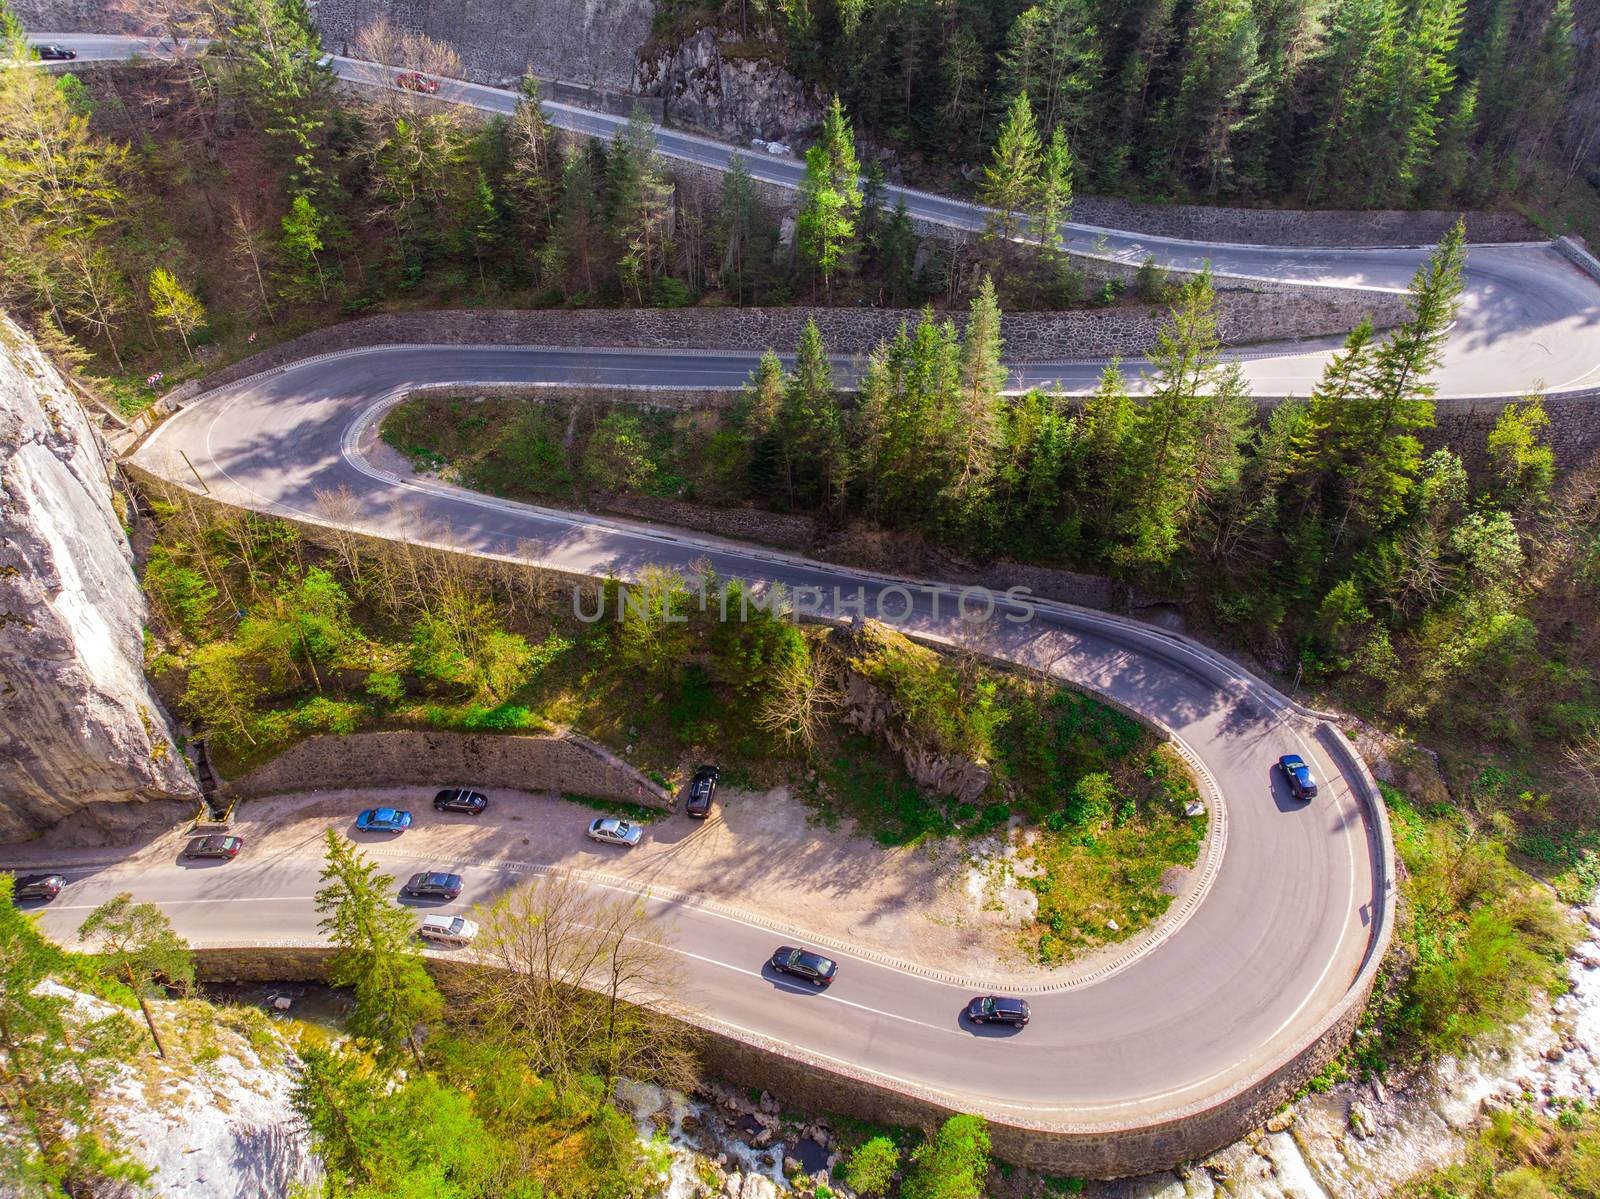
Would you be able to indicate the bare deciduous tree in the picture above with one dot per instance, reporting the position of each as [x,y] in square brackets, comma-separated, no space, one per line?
[803,693]
[574,977]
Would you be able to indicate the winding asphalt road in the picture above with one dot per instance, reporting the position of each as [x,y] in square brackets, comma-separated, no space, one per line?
[1295,907]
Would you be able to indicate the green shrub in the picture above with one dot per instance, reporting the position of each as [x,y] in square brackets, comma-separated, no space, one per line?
[952,1164]
[870,1170]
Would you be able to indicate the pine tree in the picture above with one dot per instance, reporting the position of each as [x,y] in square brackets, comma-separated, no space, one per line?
[830,197]
[736,233]
[271,51]
[55,1065]
[977,414]
[481,224]
[531,161]
[375,951]
[810,429]
[1011,180]
[138,947]
[1215,97]
[641,206]
[1176,427]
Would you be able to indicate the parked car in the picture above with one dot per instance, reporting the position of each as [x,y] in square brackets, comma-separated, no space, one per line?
[1298,775]
[53,53]
[416,81]
[802,963]
[433,885]
[998,1009]
[214,845]
[702,790]
[447,930]
[612,831]
[459,799]
[384,820]
[38,886]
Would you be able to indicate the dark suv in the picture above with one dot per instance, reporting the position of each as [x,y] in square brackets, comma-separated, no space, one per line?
[998,1009]
[433,886]
[38,886]
[802,963]
[702,790]
[459,799]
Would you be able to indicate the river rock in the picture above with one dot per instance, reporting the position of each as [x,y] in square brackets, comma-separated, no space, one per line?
[1361,1120]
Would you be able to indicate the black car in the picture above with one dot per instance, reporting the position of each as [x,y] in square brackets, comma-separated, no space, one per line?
[214,846]
[434,885]
[55,53]
[802,963]
[459,799]
[998,1009]
[38,886]
[702,790]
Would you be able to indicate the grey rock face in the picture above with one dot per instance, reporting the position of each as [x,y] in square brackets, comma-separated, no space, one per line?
[705,88]
[78,724]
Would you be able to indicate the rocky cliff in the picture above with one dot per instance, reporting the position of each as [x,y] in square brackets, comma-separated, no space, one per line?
[78,724]
[707,82]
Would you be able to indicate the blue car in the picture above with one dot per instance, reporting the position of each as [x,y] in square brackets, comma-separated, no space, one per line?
[1298,775]
[384,820]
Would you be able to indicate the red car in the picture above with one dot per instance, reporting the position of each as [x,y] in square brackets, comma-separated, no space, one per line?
[416,81]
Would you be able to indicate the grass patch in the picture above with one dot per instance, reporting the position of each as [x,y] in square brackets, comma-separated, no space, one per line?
[637,813]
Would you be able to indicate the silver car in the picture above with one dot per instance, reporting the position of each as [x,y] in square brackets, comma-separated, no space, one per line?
[612,831]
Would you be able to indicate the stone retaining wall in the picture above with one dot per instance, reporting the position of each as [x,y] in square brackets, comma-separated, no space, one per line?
[1244,317]
[1574,250]
[1295,227]
[562,763]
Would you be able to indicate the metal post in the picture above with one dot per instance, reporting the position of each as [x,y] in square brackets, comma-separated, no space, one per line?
[194,472]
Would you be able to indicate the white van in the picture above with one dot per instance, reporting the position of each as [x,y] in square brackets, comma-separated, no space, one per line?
[447,930]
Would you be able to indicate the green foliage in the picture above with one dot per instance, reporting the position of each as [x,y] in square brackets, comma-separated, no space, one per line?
[136,945]
[951,1164]
[871,1166]
[55,1065]
[1523,1154]
[1483,938]
[185,596]
[376,953]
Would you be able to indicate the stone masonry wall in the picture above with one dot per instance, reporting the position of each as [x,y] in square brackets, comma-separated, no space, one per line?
[565,763]
[591,42]
[1245,317]
[1295,227]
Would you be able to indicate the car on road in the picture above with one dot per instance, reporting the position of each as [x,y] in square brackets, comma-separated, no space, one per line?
[459,799]
[1302,785]
[702,790]
[999,1009]
[54,53]
[214,845]
[416,81]
[447,930]
[803,963]
[612,831]
[433,885]
[384,820]
[38,886]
